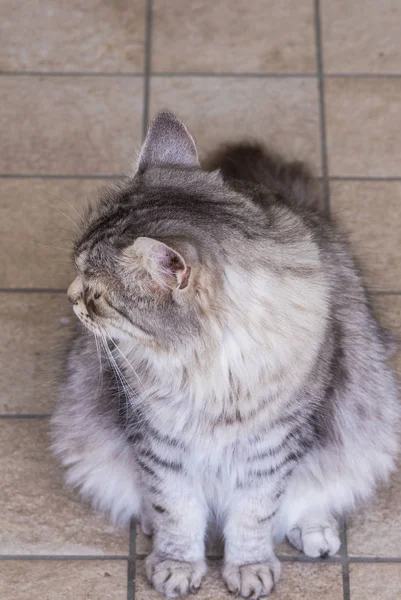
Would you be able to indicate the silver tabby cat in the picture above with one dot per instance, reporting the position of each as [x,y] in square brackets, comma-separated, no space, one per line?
[236,372]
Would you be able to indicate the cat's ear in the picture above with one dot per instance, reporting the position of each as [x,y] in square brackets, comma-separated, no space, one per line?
[168,143]
[165,266]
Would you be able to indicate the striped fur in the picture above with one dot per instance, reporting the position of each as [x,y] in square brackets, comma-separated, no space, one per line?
[236,372]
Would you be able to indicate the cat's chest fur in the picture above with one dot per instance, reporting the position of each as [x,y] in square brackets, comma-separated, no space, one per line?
[220,459]
[217,434]
[212,412]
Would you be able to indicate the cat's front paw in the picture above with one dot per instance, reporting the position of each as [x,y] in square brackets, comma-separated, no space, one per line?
[254,581]
[174,578]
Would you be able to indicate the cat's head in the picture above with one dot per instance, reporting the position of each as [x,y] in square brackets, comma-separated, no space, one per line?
[149,259]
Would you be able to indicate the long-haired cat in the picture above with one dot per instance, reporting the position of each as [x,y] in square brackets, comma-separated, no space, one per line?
[230,365]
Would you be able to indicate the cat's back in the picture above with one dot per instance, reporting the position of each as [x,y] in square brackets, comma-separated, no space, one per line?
[267,175]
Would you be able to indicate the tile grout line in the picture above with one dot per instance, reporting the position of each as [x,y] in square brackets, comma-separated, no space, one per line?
[146,83]
[233,75]
[167,74]
[374,560]
[67,74]
[361,178]
[59,176]
[33,290]
[362,75]
[322,117]
[336,560]
[27,416]
[50,557]
[384,293]
[344,560]
[131,565]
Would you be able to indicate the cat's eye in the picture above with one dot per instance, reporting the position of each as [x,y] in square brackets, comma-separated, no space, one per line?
[97,295]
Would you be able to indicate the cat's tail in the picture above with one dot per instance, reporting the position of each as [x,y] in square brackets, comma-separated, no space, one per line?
[254,163]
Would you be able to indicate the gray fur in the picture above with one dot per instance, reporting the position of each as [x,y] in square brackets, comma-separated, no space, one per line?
[242,373]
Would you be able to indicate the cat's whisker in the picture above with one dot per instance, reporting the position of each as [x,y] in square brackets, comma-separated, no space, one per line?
[117,373]
[123,381]
[68,218]
[51,246]
[122,377]
[74,223]
[99,354]
[136,395]
[127,361]
[68,204]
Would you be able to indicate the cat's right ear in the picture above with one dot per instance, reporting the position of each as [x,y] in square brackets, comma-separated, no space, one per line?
[168,143]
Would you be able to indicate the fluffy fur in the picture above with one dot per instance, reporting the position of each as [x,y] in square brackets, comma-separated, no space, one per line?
[236,371]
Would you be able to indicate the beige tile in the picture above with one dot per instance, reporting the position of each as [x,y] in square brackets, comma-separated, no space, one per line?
[64,125]
[363,119]
[71,35]
[63,580]
[299,581]
[374,530]
[143,544]
[388,308]
[233,36]
[38,515]
[370,212]
[360,36]
[303,581]
[279,112]
[37,229]
[35,329]
[375,581]
[287,549]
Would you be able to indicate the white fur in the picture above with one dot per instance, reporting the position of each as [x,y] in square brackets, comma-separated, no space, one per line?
[103,468]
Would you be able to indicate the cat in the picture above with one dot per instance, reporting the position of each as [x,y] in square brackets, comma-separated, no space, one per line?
[236,371]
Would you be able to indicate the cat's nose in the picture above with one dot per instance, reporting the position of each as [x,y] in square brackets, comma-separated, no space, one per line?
[75,291]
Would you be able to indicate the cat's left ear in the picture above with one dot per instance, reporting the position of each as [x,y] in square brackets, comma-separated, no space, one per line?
[165,266]
[168,143]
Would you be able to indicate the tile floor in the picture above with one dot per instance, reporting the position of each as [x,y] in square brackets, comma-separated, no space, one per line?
[79,81]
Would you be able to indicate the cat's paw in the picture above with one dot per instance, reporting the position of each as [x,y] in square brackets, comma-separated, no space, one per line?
[252,581]
[315,540]
[174,578]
